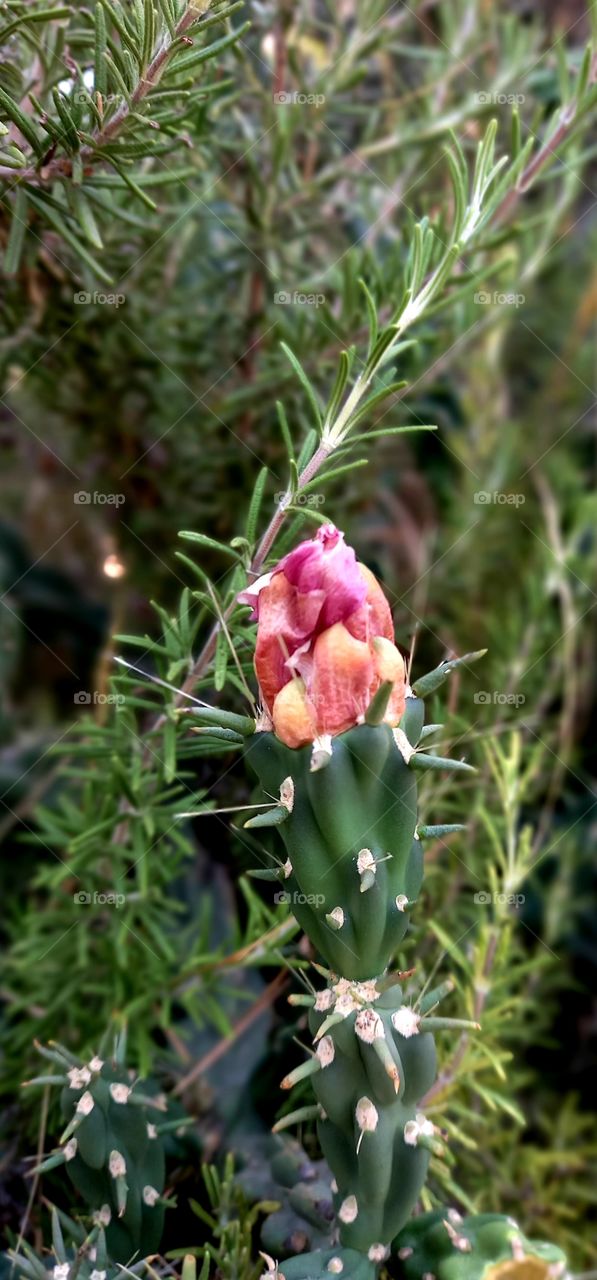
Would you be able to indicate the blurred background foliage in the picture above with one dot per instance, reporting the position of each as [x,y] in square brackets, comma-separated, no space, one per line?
[163,402]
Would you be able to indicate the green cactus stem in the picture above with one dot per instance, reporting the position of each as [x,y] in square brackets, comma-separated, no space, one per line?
[347,819]
[350,844]
[322,1264]
[487,1246]
[112,1149]
[374,1061]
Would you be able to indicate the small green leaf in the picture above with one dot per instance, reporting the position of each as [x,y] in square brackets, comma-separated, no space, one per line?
[18,227]
[255,506]
[204,540]
[306,384]
[22,122]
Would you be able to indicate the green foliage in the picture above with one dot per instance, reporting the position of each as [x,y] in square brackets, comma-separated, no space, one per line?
[74,1249]
[230,1222]
[76,167]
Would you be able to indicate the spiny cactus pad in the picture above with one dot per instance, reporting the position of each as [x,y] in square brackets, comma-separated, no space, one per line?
[112,1149]
[323,1264]
[353,864]
[373,1060]
[444,1246]
[347,816]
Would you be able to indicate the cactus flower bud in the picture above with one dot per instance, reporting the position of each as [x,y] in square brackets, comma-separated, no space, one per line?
[325,641]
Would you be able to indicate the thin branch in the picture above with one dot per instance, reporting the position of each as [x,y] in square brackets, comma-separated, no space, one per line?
[545,153]
[209,1059]
[61,166]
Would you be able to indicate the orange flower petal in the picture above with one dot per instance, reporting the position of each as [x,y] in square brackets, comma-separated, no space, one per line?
[396,705]
[341,678]
[388,660]
[292,716]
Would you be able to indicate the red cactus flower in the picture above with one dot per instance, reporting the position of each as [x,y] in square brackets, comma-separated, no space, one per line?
[325,641]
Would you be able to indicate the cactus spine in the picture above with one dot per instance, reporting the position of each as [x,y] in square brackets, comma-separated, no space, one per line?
[353,869]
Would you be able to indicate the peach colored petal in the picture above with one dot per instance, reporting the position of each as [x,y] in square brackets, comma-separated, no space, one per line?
[396,704]
[387,660]
[292,715]
[341,678]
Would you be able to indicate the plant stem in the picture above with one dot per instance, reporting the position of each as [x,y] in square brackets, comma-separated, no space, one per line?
[544,154]
[62,165]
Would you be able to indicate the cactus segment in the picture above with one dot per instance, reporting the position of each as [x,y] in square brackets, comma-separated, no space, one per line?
[443,829]
[296,1117]
[485,1246]
[271,818]
[379,703]
[354,867]
[368,1093]
[243,726]
[424,762]
[113,1153]
[429,683]
[413,720]
[364,800]
[324,1264]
